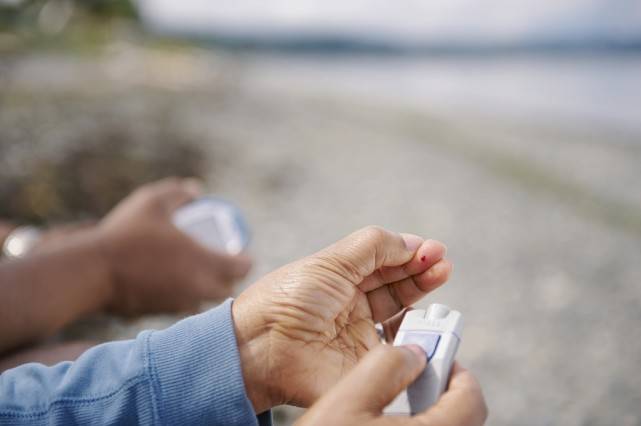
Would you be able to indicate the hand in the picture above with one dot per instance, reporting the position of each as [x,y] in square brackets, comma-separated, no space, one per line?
[154,266]
[304,326]
[360,397]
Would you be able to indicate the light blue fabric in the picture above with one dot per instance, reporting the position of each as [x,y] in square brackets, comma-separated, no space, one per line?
[189,373]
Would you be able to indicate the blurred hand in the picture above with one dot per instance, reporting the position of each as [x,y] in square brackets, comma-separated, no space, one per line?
[360,397]
[154,266]
[304,326]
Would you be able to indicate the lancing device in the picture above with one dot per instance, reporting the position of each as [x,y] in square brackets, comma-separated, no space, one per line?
[437,330]
[214,223]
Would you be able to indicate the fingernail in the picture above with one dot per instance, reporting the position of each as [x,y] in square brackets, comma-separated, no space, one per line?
[412,242]
[417,350]
[437,242]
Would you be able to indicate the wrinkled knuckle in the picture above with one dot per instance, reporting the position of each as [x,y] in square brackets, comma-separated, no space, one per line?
[328,265]
[318,262]
[373,234]
[373,237]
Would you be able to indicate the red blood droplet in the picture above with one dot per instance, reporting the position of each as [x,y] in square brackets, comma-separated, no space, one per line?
[423,258]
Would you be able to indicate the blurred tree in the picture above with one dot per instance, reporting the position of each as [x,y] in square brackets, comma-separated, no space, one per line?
[107,8]
[26,14]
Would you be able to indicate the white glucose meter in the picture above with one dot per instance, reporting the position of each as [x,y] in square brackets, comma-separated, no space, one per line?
[437,330]
[214,223]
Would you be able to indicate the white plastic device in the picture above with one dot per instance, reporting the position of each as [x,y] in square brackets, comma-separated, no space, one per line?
[437,330]
[21,241]
[214,223]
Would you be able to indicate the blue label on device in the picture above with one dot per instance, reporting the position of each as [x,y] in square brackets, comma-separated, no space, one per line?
[428,341]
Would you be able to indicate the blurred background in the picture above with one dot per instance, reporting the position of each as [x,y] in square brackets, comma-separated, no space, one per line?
[510,130]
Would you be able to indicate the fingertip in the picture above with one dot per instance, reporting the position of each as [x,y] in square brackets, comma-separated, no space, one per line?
[232,267]
[173,192]
[446,267]
[434,277]
[432,250]
[428,253]
[427,256]
[193,186]
[241,265]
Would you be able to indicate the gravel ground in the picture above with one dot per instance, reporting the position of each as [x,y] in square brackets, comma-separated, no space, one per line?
[543,223]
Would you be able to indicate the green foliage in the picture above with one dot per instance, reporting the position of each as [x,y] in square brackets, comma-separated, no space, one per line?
[71,25]
[24,14]
[107,8]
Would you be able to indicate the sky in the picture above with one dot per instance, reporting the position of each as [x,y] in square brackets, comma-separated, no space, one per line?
[488,22]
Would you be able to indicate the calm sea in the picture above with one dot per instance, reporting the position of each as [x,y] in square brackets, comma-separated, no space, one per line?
[583,90]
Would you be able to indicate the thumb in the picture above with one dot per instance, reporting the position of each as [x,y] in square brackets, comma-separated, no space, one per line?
[379,377]
[172,193]
[366,250]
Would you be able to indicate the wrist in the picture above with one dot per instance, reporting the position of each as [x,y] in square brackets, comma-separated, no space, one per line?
[196,365]
[103,262]
[260,371]
[5,229]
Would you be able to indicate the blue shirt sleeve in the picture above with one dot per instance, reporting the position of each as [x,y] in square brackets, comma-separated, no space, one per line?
[189,373]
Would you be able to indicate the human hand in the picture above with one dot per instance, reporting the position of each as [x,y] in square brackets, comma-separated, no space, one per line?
[154,266]
[302,327]
[360,397]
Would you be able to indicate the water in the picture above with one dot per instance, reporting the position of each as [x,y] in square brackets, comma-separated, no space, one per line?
[549,76]
[403,22]
[587,90]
